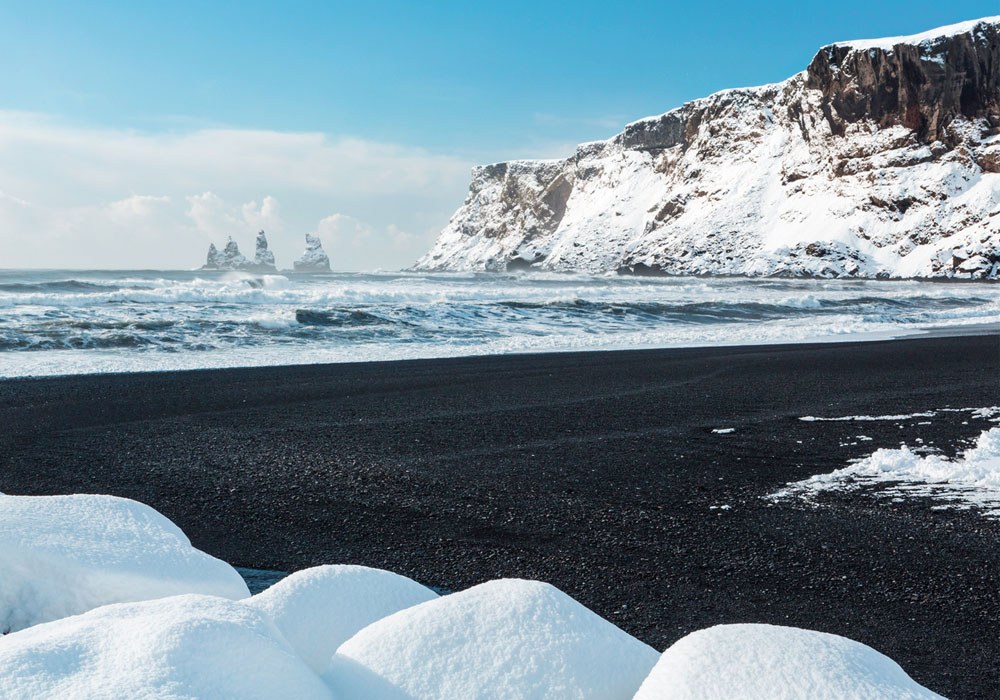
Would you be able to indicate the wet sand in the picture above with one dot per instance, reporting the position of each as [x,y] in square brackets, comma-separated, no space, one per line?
[597,472]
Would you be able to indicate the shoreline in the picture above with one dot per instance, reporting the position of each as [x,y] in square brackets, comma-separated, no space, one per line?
[953,331]
[596,471]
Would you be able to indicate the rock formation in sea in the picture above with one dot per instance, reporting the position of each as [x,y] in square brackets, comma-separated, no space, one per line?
[314,259]
[230,258]
[880,159]
[263,258]
[212,261]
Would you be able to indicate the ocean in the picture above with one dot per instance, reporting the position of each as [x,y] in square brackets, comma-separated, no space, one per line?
[57,322]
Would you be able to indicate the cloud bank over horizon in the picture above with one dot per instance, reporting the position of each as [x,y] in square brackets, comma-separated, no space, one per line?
[86,197]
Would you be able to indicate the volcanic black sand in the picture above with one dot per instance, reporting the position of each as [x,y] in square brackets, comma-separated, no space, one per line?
[597,472]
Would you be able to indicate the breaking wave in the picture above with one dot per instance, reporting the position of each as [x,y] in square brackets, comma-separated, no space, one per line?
[54,323]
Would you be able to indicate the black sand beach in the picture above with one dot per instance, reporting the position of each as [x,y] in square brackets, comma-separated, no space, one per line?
[597,472]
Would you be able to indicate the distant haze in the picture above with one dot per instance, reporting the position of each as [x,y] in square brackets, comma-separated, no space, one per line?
[100,198]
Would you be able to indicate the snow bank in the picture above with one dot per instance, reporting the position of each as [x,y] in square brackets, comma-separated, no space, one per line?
[181,647]
[973,479]
[772,663]
[64,555]
[503,639]
[319,609]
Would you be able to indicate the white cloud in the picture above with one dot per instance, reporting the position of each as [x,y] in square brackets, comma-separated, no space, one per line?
[111,198]
[361,240]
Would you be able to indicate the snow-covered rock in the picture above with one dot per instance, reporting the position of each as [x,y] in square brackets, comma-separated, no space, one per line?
[314,259]
[64,555]
[766,662]
[212,259]
[320,608]
[503,639]
[263,260]
[229,258]
[881,159]
[180,647]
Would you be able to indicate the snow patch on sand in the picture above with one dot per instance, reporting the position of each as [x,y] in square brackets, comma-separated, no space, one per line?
[988,413]
[970,480]
[896,416]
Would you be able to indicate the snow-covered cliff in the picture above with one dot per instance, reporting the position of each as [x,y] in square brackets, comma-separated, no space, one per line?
[881,159]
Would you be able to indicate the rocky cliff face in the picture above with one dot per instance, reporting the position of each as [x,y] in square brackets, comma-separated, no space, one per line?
[881,159]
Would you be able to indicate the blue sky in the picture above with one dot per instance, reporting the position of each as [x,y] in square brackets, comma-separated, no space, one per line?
[466,77]
[454,83]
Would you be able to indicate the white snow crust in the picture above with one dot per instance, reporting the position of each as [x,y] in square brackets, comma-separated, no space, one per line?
[921,38]
[351,632]
[987,413]
[64,555]
[973,479]
[766,662]
[503,639]
[180,647]
[320,608]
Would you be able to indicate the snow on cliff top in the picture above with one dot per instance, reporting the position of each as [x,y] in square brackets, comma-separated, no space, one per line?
[928,36]
[884,43]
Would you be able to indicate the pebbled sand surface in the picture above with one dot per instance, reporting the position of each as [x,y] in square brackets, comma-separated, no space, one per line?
[596,472]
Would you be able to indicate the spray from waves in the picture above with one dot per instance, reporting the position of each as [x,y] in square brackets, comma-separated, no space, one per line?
[57,322]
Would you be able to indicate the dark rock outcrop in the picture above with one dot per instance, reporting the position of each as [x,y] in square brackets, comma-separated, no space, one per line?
[922,86]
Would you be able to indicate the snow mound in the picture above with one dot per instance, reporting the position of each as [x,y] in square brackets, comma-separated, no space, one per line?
[319,609]
[773,663]
[64,555]
[181,647]
[503,639]
[973,479]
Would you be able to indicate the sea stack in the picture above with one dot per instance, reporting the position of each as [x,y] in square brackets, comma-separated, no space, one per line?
[263,258]
[314,259]
[212,261]
[229,258]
